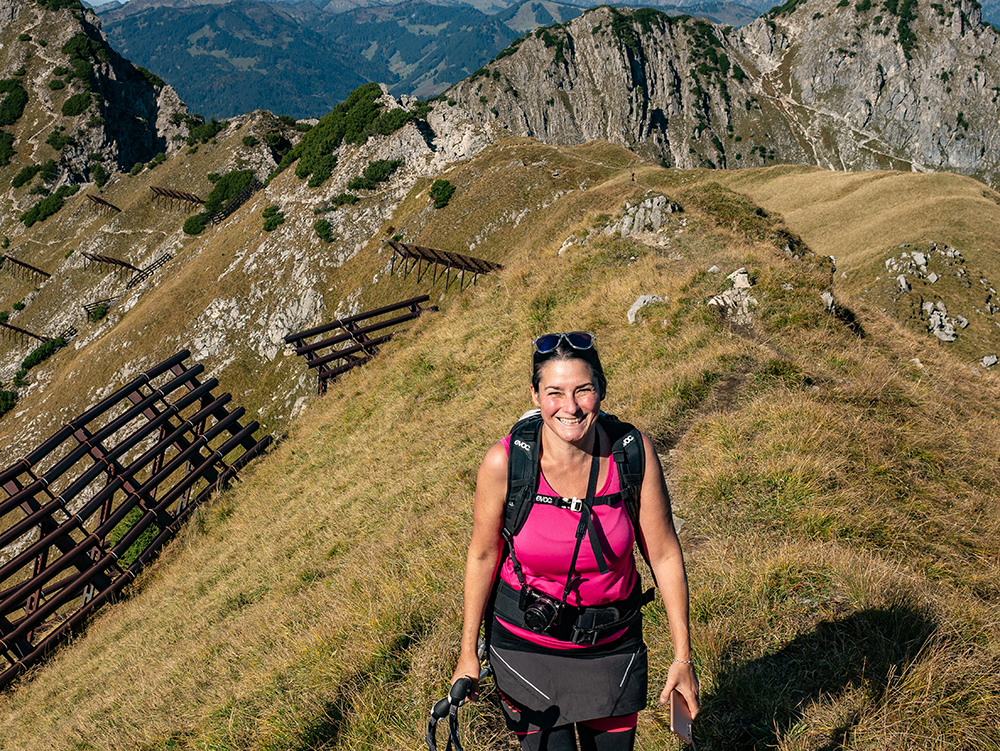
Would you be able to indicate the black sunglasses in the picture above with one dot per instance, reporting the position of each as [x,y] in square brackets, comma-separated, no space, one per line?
[576,339]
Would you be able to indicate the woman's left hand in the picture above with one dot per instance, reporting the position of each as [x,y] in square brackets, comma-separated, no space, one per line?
[681,677]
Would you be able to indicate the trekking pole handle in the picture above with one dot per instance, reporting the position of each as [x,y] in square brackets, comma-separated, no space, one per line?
[460,690]
[440,710]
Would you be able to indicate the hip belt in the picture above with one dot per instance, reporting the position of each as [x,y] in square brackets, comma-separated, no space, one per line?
[577,624]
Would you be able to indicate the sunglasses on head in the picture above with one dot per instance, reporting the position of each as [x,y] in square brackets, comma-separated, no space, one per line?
[576,339]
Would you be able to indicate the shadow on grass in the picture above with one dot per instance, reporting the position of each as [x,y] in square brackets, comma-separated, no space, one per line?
[388,666]
[756,703]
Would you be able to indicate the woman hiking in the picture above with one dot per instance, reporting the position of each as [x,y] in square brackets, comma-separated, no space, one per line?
[563,605]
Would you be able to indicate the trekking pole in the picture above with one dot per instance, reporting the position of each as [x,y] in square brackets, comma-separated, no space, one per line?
[448,707]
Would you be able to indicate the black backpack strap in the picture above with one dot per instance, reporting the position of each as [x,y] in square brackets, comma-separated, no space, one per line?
[630,459]
[522,474]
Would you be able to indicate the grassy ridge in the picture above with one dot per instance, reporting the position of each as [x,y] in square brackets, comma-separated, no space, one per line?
[836,500]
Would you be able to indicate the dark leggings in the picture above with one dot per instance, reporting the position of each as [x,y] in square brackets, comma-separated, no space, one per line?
[562,738]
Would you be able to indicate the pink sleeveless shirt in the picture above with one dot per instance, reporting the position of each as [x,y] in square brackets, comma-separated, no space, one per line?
[544,548]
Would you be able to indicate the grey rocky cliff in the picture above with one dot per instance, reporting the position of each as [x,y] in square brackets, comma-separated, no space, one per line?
[9,10]
[136,112]
[837,87]
[131,117]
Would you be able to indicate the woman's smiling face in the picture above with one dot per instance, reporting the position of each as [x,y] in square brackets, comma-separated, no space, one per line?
[569,398]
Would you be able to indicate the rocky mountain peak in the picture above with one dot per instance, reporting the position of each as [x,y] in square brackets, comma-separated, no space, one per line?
[835,83]
[84,105]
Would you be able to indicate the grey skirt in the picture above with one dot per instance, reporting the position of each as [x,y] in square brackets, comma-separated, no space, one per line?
[544,688]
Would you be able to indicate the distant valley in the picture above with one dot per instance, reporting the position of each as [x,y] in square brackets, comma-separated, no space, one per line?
[300,60]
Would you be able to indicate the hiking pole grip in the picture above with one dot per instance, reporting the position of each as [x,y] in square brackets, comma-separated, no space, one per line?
[440,710]
[460,690]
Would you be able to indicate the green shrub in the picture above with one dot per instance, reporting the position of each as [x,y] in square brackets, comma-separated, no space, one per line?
[60,70]
[352,121]
[344,198]
[57,83]
[323,229]
[97,313]
[322,169]
[272,218]
[227,188]
[250,141]
[43,352]
[60,4]
[136,169]
[213,177]
[24,37]
[376,172]
[49,170]
[6,148]
[143,541]
[95,156]
[195,225]
[4,316]
[20,72]
[57,140]
[205,132]
[441,192]
[83,53]
[76,104]
[7,401]
[18,305]
[25,175]
[100,175]
[48,206]
[154,79]
[12,105]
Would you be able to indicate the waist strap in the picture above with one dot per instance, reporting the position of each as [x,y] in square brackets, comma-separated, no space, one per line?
[577,624]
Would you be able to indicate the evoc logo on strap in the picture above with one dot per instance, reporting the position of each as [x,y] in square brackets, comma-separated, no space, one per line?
[522,445]
[627,440]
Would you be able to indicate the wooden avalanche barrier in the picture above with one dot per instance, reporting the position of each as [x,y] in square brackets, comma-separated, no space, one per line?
[352,344]
[169,198]
[22,269]
[101,206]
[434,258]
[93,503]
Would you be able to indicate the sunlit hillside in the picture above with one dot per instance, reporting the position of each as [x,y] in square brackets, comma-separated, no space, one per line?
[834,475]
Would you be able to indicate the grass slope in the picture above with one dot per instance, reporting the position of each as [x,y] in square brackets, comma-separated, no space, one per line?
[836,499]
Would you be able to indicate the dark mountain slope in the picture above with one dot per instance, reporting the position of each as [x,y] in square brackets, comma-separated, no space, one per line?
[233,58]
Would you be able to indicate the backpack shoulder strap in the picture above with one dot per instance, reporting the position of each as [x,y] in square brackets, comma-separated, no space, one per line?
[522,473]
[630,460]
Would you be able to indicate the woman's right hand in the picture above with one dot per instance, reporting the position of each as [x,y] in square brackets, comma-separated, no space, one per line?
[468,667]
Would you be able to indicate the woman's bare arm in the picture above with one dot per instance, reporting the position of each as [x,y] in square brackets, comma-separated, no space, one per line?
[659,539]
[484,554]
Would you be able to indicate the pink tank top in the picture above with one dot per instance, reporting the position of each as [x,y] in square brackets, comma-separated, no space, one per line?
[544,548]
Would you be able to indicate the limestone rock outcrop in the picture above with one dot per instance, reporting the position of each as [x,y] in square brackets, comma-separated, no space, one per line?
[834,84]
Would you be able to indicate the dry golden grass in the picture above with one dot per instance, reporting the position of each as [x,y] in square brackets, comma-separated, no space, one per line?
[836,500]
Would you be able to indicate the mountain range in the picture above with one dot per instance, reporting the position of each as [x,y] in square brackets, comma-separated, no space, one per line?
[224,58]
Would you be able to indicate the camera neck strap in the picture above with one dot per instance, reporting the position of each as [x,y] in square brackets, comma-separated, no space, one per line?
[585,525]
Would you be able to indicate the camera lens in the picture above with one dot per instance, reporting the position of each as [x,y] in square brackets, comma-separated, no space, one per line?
[540,614]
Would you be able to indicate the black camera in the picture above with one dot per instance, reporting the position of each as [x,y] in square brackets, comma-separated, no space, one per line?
[540,610]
